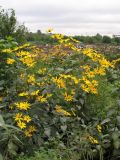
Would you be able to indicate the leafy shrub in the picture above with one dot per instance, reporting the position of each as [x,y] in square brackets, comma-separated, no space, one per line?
[53,93]
[42,154]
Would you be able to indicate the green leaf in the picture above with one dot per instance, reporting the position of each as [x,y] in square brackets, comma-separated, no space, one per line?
[64,128]
[2,82]
[68,70]
[117,144]
[60,69]
[2,122]
[115,136]
[118,119]
[105,121]
[12,148]
[63,119]
[1,157]
[17,139]
[13,127]
[47,132]
[1,88]
[1,106]
[118,102]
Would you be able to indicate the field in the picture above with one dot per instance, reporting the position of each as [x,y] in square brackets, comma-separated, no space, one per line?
[59,102]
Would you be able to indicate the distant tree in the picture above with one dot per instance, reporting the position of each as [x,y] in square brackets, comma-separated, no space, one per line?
[116,40]
[80,38]
[106,39]
[39,32]
[7,23]
[97,38]
[20,35]
[30,37]
[10,27]
[89,40]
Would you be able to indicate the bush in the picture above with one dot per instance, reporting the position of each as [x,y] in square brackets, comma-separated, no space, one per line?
[52,95]
[42,154]
[9,26]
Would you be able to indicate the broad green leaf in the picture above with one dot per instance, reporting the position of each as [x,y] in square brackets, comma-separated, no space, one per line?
[117,144]
[118,119]
[1,157]
[105,121]
[2,82]
[64,128]
[47,132]
[115,136]
[2,122]
[68,70]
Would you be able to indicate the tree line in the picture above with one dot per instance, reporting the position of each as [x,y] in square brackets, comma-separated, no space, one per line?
[9,27]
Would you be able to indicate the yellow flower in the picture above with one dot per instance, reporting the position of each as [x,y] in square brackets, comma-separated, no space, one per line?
[59,82]
[21,47]
[41,84]
[22,76]
[49,30]
[88,83]
[73,92]
[7,50]
[31,79]
[48,95]
[93,89]
[10,61]
[86,67]
[32,128]
[23,94]
[99,128]
[28,61]
[23,105]
[85,88]
[95,83]
[89,86]
[23,53]
[93,140]
[27,133]
[42,71]
[58,36]
[59,109]
[18,117]
[68,97]
[27,118]
[99,71]
[90,74]
[76,81]
[104,63]
[113,63]
[21,125]
[1,98]
[35,93]
[41,99]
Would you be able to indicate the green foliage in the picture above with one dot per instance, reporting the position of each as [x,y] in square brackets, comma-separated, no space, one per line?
[43,154]
[10,27]
[106,39]
[101,103]
[40,38]
[8,22]
[20,34]
[98,39]
[87,127]
[9,141]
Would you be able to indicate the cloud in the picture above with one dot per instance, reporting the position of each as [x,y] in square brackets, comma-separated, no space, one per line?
[68,16]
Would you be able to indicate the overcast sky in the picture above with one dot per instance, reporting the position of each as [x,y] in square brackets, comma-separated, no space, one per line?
[83,17]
